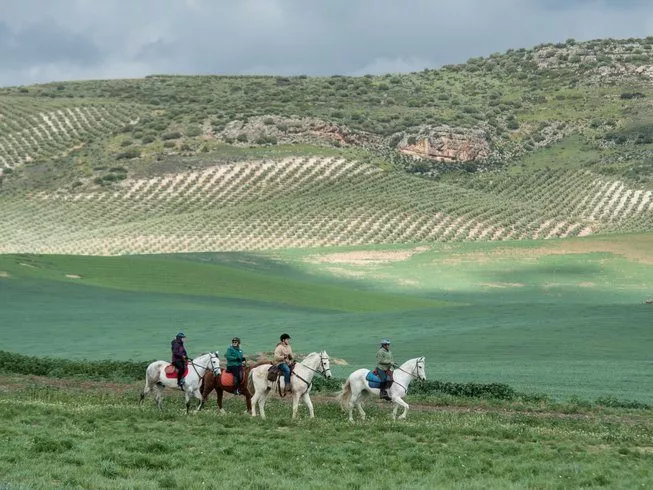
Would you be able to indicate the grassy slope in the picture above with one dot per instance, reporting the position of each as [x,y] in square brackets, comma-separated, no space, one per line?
[560,317]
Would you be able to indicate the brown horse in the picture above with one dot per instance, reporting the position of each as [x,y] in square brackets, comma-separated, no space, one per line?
[212,382]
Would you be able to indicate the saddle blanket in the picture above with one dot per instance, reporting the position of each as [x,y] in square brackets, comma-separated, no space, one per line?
[373,380]
[171,371]
[226,378]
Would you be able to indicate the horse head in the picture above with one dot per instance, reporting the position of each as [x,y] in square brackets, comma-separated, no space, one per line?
[325,367]
[214,362]
[420,368]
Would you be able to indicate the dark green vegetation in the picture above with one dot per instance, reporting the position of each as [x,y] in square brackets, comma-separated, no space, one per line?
[64,433]
[561,318]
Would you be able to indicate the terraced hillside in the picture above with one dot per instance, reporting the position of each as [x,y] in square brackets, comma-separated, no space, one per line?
[547,142]
[307,202]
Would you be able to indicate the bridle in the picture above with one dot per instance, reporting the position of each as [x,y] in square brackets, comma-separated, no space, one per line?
[215,371]
[323,370]
[414,373]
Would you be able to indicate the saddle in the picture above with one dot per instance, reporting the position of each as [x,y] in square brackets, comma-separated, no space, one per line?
[273,373]
[373,379]
[171,371]
[226,378]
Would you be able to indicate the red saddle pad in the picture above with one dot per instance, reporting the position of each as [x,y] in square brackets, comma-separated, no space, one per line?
[226,378]
[171,371]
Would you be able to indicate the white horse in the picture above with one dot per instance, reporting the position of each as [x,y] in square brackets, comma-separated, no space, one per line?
[300,382]
[155,377]
[357,385]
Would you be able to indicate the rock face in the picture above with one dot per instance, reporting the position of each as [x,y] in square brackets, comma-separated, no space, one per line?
[445,144]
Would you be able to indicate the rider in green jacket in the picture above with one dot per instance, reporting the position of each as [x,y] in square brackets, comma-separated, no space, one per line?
[235,362]
[384,364]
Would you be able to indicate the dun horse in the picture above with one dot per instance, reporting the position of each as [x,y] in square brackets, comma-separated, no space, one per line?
[225,382]
[157,378]
[357,386]
[300,382]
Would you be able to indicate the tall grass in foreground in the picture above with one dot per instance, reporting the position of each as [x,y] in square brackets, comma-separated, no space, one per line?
[96,436]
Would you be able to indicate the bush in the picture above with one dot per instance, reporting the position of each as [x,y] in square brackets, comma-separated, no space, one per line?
[129,154]
[172,135]
[266,140]
[59,368]
[193,130]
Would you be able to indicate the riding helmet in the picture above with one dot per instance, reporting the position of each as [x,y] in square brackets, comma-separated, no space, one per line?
[284,336]
[385,342]
[181,335]
[235,339]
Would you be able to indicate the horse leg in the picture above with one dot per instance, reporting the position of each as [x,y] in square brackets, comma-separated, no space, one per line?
[144,393]
[187,397]
[248,402]
[198,394]
[398,401]
[295,404]
[255,399]
[309,404]
[219,393]
[359,406]
[261,403]
[158,396]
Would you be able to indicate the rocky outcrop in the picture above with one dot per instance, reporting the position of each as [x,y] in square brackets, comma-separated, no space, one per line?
[291,130]
[446,144]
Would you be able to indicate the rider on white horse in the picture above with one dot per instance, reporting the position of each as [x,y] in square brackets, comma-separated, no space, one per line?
[179,357]
[282,356]
[384,364]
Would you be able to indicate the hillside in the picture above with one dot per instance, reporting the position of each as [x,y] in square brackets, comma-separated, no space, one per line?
[553,141]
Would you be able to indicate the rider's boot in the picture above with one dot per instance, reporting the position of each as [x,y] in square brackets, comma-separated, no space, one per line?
[384,393]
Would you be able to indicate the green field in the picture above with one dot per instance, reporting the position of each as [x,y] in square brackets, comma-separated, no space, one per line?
[559,317]
[72,434]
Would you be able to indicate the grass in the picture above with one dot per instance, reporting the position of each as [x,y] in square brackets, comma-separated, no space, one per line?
[77,435]
[562,317]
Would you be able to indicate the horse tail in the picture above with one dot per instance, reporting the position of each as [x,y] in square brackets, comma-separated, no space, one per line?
[250,382]
[345,395]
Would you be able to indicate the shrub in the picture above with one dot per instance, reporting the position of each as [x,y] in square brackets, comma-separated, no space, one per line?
[266,140]
[172,135]
[193,130]
[129,154]
[242,137]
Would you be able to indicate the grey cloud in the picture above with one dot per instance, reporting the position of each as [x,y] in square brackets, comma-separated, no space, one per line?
[46,42]
[126,38]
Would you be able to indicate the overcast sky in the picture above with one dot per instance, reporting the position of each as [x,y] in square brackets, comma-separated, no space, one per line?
[52,40]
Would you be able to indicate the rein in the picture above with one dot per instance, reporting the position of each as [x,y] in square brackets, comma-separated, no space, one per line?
[195,366]
[308,384]
[415,369]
